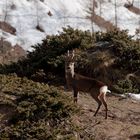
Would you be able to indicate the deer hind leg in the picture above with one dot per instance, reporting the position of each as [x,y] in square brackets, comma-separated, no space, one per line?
[103,99]
[99,105]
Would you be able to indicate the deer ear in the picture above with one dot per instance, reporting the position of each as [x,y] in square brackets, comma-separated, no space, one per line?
[73,54]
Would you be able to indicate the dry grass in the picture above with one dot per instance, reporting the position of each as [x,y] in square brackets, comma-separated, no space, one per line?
[7,27]
[9,53]
[101,22]
[132,9]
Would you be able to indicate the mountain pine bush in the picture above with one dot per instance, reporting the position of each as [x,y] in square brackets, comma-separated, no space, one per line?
[39,111]
[124,47]
[48,56]
[126,86]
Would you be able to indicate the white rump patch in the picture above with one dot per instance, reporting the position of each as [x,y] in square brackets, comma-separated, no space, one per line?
[104,89]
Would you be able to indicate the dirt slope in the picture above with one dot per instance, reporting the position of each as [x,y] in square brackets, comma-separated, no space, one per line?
[123,122]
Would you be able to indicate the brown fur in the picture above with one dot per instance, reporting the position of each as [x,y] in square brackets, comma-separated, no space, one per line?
[78,82]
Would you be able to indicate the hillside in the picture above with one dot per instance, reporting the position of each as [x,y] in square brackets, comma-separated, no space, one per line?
[31,110]
[32,20]
[9,53]
[122,123]
[34,100]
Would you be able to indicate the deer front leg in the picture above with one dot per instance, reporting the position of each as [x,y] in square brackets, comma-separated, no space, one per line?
[75,94]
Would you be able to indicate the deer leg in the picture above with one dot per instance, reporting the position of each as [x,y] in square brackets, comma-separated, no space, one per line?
[103,99]
[99,105]
[75,94]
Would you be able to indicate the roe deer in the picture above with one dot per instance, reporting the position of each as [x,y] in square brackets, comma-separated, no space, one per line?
[77,82]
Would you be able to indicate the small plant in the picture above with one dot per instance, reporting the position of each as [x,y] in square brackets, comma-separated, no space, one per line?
[126,86]
[13,6]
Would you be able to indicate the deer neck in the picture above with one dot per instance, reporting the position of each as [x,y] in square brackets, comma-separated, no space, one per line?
[70,73]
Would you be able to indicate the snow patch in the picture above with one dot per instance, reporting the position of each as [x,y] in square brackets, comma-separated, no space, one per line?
[133,96]
[28,14]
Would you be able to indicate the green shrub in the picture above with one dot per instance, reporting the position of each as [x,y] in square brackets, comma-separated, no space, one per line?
[126,86]
[46,62]
[124,47]
[40,111]
[49,54]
